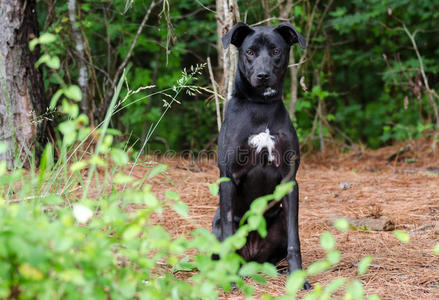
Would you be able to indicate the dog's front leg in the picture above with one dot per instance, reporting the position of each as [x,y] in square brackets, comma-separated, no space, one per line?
[291,207]
[227,196]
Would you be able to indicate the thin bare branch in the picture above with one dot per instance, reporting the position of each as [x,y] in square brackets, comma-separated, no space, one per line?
[424,76]
[133,44]
[268,20]
[212,79]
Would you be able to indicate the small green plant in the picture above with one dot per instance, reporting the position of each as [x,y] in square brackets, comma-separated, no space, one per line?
[80,241]
[67,230]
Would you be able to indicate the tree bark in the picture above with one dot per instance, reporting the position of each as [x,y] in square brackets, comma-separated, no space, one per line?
[227,16]
[22,96]
[79,46]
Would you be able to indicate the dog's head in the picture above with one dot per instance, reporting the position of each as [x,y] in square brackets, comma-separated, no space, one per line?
[263,54]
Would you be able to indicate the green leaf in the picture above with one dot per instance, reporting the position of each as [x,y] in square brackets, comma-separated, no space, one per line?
[333,257]
[70,109]
[403,236]
[249,269]
[72,276]
[364,264]
[55,98]
[121,178]
[341,224]
[119,157]
[53,62]
[374,297]
[33,43]
[184,265]
[172,195]
[47,38]
[67,128]
[131,232]
[254,221]
[46,162]
[295,282]
[262,228]
[29,272]
[436,249]
[223,179]
[314,295]
[83,133]
[269,269]
[259,278]
[283,190]
[181,208]
[42,60]
[330,117]
[81,121]
[327,241]
[334,285]
[213,189]
[157,170]
[73,92]
[96,160]
[355,290]
[114,132]
[318,267]
[150,200]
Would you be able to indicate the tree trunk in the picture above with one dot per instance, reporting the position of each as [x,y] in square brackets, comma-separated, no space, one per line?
[22,97]
[227,16]
[79,46]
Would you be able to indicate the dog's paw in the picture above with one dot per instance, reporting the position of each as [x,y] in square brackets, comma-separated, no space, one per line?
[282,270]
[306,286]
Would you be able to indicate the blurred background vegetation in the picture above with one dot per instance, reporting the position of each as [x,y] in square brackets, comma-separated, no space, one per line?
[362,74]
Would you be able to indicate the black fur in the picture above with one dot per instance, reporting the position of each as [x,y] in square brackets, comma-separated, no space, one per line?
[256,105]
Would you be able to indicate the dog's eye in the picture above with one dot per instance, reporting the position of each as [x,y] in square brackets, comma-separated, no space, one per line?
[276,51]
[250,52]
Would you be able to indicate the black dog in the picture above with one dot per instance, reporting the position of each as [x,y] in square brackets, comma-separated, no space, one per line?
[258,145]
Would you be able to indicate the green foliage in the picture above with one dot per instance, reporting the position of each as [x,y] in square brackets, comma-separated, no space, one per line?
[403,236]
[341,224]
[364,264]
[72,246]
[362,68]
[378,69]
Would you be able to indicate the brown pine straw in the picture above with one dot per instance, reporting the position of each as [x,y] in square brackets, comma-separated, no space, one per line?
[405,193]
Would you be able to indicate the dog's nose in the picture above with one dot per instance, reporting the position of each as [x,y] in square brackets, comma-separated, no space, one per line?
[263,76]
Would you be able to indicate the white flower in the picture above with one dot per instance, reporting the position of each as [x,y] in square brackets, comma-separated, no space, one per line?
[82,213]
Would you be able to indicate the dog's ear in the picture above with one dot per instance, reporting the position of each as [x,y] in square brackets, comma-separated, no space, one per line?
[290,34]
[236,35]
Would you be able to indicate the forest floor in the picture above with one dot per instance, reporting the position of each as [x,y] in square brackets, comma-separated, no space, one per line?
[402,190]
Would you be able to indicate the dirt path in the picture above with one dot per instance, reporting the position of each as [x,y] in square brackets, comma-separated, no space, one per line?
[406,194]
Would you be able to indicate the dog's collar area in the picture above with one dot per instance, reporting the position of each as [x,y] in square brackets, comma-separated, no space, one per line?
[260,99]
[264,100]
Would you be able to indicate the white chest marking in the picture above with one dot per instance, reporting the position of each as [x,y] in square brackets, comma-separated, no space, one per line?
[261,141]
